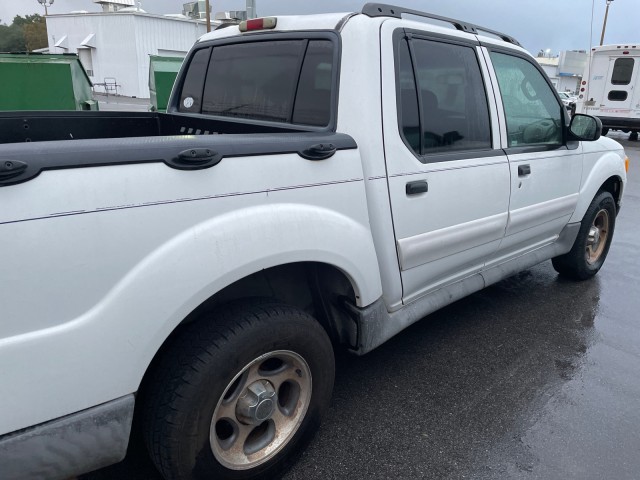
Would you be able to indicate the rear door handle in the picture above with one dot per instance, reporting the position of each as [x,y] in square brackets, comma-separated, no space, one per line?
[417,187]
[524,170]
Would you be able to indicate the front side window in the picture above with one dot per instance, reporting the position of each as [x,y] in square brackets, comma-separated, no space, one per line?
[443,83]
[622,71]
[534,116]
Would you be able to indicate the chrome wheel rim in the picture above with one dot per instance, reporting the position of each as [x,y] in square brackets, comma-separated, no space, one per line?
[260,410]
[597,236]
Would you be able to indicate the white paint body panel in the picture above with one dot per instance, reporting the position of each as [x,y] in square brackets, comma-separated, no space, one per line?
[100,291]
[602,160]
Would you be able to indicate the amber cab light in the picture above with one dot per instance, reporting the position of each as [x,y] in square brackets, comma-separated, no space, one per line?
[265,23]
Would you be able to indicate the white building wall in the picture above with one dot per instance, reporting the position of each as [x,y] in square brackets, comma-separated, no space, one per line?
[123,43]
[155,34]
[551,71]
[569,84]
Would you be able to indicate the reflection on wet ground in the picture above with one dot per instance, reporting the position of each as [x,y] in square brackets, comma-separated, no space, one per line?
[534,377]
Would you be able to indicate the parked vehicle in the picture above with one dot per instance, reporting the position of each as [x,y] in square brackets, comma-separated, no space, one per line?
[567,99]
[610,88]
[318,182]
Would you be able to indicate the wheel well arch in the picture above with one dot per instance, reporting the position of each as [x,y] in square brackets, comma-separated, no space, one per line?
[613,185]
[320,289]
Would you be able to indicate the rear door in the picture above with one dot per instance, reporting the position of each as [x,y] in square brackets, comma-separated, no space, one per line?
[619,91]
[448,177]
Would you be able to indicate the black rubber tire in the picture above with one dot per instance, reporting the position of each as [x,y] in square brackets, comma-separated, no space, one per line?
[574,264]
[191,376]
[633,136]
[605,130]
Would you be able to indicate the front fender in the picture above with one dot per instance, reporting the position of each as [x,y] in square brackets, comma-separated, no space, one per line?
[599,166]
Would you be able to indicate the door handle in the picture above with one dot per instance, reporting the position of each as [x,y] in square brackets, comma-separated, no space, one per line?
[419,186]
[524,170]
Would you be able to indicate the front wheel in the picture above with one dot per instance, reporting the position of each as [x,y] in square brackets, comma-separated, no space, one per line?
[237,395]
[593,241]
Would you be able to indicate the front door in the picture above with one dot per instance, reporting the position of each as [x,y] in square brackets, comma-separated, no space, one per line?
[545,170]
[448,177]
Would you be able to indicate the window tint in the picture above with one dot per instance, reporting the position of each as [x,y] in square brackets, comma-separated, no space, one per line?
[253,80]
[617,95]
[278,81]
[408,98]
[455,115]
[622,71]
[313,100]
[534,116]
[191,97]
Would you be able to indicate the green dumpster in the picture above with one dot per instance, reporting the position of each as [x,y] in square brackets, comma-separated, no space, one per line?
[35,81]
[162,74]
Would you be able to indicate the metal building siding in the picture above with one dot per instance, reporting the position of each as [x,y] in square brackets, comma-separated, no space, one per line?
[153,33]
[123,42]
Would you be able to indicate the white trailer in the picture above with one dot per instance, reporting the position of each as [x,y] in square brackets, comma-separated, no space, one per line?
[610,88]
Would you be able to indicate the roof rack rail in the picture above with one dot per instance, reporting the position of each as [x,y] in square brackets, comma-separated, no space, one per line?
[384,10]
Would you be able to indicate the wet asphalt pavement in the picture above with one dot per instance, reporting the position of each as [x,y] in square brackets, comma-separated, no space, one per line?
[533,378]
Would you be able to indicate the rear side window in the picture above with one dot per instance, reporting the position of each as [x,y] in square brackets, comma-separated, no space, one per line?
[191,97]
[288,81]
[622,71]
[408,99]
[445,85]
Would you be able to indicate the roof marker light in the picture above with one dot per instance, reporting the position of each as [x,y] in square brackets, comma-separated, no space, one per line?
[258,24]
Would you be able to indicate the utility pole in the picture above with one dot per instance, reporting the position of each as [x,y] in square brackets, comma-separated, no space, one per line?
[46,4]
[604,24]
[208,10]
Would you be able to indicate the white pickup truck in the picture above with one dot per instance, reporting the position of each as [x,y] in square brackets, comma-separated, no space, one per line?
[318,182]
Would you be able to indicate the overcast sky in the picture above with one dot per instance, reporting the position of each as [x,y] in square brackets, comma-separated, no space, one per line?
[540,24]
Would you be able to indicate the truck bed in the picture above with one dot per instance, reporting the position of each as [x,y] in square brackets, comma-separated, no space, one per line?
[32,141]
[41,126]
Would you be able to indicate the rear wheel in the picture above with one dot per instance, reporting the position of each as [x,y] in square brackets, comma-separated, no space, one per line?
[605,130]
[237,395]
[593,241]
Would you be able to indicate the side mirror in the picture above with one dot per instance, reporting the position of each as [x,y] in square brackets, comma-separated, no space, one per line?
[585,127]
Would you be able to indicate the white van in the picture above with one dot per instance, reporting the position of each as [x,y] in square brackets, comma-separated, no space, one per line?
[610,88]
